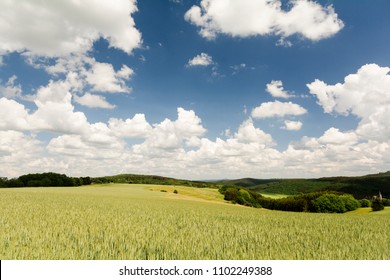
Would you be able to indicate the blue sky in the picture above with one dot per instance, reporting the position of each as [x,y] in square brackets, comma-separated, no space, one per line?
[195,89]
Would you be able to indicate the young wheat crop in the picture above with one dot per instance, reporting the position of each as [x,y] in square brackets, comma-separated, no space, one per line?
[132,222]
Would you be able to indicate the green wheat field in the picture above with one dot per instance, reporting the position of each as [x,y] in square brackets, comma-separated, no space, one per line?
[142,222]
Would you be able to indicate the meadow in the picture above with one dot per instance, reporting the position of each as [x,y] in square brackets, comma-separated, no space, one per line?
[122,221]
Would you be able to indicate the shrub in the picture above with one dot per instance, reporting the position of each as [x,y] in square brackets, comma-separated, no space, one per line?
[231,194]
[364,203]
[386,202]
[175,191]
[329,203]
[247,198]
[350,202]
[241,196]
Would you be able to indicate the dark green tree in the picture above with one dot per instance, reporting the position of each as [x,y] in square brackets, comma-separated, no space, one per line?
[377,204]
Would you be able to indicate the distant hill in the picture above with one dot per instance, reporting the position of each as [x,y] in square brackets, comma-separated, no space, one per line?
[360,186]
[151,179]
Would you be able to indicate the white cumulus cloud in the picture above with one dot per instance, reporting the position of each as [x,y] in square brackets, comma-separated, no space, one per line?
[336,137]
[93,101]
[202,59]
[275,88]
[365,95]
[264,17]
[61,27]
[136,127]
[277,109]
[103,78]
[292,125]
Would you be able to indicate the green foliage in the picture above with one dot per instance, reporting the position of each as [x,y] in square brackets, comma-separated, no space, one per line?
[365,203]
[350,202]
[377,204]
[329,203]
[310,202]
[47,179]
[241,196]
[293,204]
[44,180]
[14,183]
[3,181]
[86,180]
[386,202]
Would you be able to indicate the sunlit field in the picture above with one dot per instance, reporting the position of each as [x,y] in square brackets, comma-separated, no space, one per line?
[151,222]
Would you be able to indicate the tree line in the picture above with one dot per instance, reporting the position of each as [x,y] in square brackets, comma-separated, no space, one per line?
[44,180]
[319,202]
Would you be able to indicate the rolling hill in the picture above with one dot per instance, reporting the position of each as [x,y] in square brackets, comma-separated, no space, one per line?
[360,186]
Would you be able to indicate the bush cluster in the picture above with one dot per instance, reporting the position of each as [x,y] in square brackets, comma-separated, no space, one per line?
[324,202]
[365,203]
[241,196]
[331,203]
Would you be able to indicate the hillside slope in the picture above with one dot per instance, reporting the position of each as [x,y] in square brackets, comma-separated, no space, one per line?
[360,187]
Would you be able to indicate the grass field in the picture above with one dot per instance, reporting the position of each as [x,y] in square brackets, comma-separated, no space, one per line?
[151,222]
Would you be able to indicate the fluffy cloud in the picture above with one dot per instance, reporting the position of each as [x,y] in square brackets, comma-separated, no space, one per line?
[83,72]
[335,137]
[93,101]
[336,152]
[18,151]
[169,136]
[275,88]
[264,17]
[58,28]
[97,146]
[179,148]
[277,109]
[365,95]
[247,133]
[13,115]
[54,112]
[292,125]
[137,127]
[202,59]
[103,78]
[247,152]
